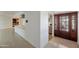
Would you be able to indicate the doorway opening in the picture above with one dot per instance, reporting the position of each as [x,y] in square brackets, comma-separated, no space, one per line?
[50,26]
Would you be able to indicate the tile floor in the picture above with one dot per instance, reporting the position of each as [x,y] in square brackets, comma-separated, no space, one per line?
[57,42]
[9,39]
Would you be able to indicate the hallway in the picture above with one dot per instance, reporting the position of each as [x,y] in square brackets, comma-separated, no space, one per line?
[34,25]
[9,39]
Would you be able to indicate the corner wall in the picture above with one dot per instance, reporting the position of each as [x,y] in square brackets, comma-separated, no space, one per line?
[78,29]
[43,28]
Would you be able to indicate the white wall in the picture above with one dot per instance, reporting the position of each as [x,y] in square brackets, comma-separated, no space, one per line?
[78,29]
[43,28]
[33,28]
[31,31]
[6,19]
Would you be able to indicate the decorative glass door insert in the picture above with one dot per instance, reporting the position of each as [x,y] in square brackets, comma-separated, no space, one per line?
[64,23]
[73,22]
[56,23]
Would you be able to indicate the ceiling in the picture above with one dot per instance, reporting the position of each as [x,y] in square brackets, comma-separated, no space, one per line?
[58,12]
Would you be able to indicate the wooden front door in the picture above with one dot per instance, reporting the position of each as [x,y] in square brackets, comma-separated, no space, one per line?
[65,25]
